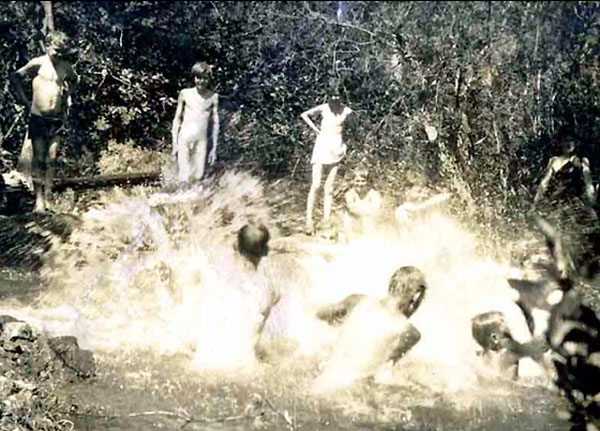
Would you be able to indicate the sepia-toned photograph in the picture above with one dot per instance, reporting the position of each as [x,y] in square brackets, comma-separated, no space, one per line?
[299,215]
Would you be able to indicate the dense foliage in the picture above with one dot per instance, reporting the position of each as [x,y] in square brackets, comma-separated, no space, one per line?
[491,82]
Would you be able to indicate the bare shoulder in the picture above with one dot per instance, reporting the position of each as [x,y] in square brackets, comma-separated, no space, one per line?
[186,92]
[41,59]
[33,65]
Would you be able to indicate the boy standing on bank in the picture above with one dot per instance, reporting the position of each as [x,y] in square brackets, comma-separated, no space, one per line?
[53,81]
[196,108]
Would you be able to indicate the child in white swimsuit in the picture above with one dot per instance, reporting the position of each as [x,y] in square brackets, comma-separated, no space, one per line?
[329,150]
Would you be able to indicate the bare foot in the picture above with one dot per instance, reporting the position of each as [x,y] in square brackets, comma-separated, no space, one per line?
[309,229]
[40,206]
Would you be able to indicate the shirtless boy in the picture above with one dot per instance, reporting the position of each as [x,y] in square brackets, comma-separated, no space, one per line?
[373,332]
[196,107]
[53,81]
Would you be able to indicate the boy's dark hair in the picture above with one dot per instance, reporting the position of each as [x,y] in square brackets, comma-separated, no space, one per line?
[253,240]
[409,285]
[201,68]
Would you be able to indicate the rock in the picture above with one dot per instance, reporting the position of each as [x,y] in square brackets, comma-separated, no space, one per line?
[31,367]
[78,360]
[16,330]
[4,319]
[15,195]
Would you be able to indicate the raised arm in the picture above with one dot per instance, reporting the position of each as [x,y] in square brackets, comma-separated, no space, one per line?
[177,121]
[306,118]
[212,157]
[15,78]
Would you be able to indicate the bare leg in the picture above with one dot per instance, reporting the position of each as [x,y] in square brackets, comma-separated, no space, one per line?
[50,170]
[24,165]
[317,170]
[198,158]
[183,162]
[328,192]
[38,168]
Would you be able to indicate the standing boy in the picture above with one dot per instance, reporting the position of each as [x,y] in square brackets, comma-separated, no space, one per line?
[53,80]
[196,108]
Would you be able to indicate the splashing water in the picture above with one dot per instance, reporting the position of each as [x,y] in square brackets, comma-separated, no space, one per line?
[158,270]
[139,266]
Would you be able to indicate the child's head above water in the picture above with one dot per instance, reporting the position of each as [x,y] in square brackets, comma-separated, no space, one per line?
[253,241]
[408,285]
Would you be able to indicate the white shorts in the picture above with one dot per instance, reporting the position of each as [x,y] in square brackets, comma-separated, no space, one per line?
[328,149]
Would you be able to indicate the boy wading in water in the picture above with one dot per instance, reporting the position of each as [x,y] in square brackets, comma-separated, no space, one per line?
[196,108]
[53,80]
[329,150]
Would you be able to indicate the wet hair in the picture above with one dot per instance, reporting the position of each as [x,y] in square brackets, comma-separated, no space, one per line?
[201,68]
[490,330]
[253,240]
[57,39]
[408,284]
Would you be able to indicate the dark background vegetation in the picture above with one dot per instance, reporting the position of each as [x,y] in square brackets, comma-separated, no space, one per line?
[495,79]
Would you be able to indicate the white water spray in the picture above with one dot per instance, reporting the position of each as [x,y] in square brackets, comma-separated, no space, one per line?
[158,271]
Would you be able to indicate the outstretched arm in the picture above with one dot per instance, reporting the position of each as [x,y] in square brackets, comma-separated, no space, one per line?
[212,157]
[177,121]
[336,313]
[306,118]
[31,68]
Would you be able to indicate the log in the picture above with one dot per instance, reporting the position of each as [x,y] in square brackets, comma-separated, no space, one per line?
[101,181]
[16,198]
